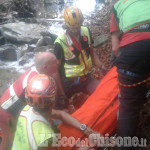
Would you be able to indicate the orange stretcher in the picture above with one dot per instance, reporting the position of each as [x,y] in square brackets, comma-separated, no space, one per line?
[98,112]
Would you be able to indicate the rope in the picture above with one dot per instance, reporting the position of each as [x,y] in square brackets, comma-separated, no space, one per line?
[135,84]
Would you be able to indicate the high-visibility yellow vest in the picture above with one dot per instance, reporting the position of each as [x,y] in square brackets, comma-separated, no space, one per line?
[32,131]
[80,63]
[132,13]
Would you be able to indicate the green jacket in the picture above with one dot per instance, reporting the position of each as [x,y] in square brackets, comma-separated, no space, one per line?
[132,13]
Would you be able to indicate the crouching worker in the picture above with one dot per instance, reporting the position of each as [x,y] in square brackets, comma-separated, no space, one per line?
[34,130]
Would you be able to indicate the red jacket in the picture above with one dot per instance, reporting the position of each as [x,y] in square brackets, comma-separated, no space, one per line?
[13,98]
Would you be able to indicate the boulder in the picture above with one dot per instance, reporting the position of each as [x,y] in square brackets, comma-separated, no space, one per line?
[52,35]
[99,40]
[44,44]
[8,52]
[21,32]
[44,49]
[2,39]
[7,77]
[26,58]
[46,40]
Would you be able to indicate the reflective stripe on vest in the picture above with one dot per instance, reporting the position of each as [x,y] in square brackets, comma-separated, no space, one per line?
[85,63]
[27,128]
[14,98]
[132,13]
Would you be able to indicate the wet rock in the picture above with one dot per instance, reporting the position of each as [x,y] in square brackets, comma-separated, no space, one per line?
[2,40]
[21,32]
[5,5]
[30,20]
[8,52]
[44,44]
[31,48]
[25,58]
[53,36]
[22,50]
[7,77]
[44,49]
[51,6]
[3,18]
[6,14]
[46,40]
[24,8]
[61,2]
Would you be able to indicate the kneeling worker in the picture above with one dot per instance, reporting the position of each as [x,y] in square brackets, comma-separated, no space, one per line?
[34,125]
[75,54]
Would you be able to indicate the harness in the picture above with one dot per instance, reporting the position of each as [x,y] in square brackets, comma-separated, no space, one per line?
[131,74]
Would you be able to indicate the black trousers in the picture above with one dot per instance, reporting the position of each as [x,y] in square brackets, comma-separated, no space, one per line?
[134,59]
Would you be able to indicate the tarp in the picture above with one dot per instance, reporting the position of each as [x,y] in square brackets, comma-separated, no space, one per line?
[99,111]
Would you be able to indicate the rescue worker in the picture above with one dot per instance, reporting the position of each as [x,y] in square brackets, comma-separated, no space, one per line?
[34,128]
[12,101]
[75,54]
[130,31]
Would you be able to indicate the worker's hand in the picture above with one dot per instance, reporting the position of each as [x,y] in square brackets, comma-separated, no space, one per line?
[63,96]
[97,62]
[71,108]
[103,70]
[62,102]
[88,131]
[94,137]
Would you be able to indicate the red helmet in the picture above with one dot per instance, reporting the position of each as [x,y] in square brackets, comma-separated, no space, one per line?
[41,91]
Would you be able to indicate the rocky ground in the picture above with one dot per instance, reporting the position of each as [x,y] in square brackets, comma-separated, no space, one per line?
[99,26]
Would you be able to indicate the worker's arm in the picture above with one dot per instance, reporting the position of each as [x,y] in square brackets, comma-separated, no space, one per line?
[114,30]
[59,54]
[95,60]
[62,101]
[115,42]
[56,76]
[70,120]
